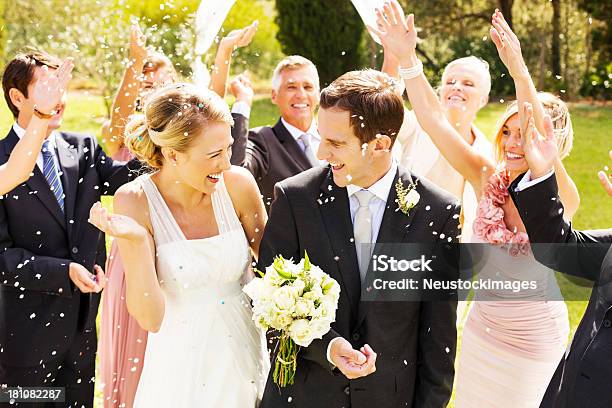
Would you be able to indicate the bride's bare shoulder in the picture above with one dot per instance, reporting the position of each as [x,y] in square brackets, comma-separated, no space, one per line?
[241,186]
[131,200]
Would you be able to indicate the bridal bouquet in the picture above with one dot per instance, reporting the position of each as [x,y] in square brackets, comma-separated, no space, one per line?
[298,300]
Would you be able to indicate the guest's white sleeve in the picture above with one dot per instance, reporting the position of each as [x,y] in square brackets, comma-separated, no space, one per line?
[329,346]
[242,108]
[527,182]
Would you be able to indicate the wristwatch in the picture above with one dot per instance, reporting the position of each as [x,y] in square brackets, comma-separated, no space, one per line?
[43,115]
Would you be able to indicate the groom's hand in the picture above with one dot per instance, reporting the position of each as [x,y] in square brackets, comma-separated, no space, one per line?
[352,363]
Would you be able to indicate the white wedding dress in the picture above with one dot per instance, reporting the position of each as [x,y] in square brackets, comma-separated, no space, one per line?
[208,352]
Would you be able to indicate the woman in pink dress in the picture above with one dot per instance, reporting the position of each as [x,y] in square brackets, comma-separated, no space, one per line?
[511,344]
[122,341]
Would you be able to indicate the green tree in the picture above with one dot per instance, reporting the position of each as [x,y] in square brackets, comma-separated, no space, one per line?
[596,80]
[327,32]
[3,30]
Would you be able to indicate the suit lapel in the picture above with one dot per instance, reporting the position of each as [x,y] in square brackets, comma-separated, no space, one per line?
[69,164]
[393,228]
[291,145]
[37,183]
[336,215]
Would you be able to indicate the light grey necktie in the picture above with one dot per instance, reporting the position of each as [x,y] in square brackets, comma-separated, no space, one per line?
[308,150]
[362,230]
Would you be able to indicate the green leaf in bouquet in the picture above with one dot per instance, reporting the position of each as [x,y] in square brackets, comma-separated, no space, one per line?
[306,261]
[279,267]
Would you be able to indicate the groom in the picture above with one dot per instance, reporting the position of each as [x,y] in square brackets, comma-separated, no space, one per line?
[377,354]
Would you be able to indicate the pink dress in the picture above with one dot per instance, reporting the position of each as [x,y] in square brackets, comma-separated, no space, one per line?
[512,342]
[122,342]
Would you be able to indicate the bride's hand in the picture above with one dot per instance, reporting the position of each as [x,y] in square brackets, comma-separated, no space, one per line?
[118,226]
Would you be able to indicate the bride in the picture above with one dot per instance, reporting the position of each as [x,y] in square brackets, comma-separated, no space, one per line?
[185,233]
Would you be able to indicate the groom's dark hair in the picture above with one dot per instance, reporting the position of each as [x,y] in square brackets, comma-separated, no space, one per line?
[19,72]
[372,100]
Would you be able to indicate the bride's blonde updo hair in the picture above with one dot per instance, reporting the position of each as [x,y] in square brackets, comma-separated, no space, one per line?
[561,120]
[172,117]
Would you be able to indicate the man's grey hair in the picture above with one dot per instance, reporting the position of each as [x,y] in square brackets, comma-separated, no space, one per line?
[289,63]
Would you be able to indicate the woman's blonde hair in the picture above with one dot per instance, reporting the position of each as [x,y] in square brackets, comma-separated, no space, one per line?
[561,120]
[173,117]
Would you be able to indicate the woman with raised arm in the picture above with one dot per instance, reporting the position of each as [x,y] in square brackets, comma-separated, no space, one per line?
[511,342]
[47,93]
[122,341]
[464,90]
[186,233]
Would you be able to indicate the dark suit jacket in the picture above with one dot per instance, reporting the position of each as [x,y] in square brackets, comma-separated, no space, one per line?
[415,341]
[40,308]
[583,376]
[271,154]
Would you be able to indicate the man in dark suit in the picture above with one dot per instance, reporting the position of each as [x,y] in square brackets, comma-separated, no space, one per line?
[274,153]
[48,294]
[582,378]
[377,354]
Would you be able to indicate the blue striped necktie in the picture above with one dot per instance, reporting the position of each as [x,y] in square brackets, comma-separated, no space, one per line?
[52,175]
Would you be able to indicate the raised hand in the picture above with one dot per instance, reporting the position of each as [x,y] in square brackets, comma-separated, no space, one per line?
[396,31]
[242,89]
[541,151]
[85,281]
[138,49]
[241,37]
[51,86]
[508,45]
[605,179]
[352,363]
[118,226]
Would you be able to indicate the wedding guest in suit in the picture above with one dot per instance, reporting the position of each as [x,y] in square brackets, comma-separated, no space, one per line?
[274,153]
[582,378]
[49,254]
[385,354]
[122,340]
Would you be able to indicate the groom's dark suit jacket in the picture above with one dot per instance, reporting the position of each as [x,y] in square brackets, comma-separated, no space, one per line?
[583,377]
[415,341]
[41,310]
[271,154]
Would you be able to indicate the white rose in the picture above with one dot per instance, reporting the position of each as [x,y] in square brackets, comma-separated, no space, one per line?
[285,298]
[412,198]
[301,332]
[319,327]
[281,320]
[304,307]
[314,293]
[261,322]
[317,273]
[326,311]
[254,288]
[299,286]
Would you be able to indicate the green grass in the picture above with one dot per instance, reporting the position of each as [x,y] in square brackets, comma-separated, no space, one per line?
[592,129]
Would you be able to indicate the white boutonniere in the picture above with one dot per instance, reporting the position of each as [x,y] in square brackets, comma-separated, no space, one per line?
[407,197]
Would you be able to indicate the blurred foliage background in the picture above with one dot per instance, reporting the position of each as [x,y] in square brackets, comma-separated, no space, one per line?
[567,43]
